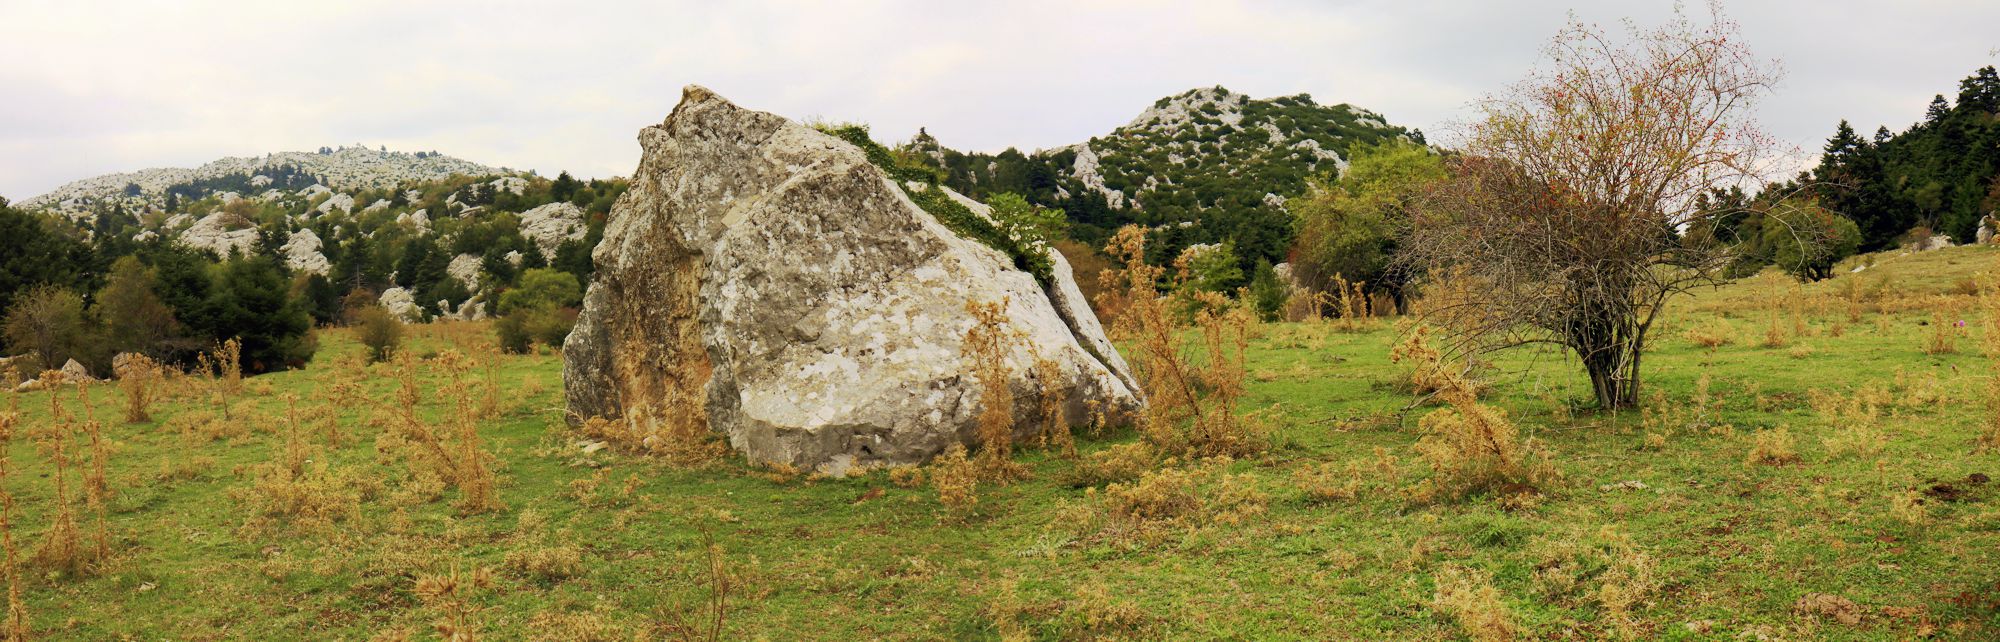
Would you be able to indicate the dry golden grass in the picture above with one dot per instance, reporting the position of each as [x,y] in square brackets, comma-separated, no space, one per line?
[1467,596]
[1774,447]
[1943,337]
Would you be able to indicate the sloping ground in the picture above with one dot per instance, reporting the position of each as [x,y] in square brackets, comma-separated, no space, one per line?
[1663,528]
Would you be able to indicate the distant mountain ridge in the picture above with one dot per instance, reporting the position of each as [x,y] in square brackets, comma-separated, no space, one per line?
[342,169]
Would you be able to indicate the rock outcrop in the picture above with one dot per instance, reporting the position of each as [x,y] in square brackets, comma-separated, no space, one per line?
[549,225]
[213,233]
[765,279]
[302,252]
[401,303]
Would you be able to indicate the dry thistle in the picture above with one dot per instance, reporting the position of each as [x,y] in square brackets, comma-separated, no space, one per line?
[453,593]
[1472,448]
[1054,419]
[1943,338]
[706,622]
[986,347]
[60,547]
[139,378]
[16,627]
[956,480]
[96,486]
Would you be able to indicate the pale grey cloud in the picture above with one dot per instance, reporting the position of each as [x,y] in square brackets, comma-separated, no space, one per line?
[93,86]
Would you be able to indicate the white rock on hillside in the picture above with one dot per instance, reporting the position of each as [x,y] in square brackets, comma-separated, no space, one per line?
[465,268]
[1086,169]
[342,202]
[349,169]
[302,253]
[214,233]
[549,225]
[763,279]
[419,219]
[400,303]
[513,184]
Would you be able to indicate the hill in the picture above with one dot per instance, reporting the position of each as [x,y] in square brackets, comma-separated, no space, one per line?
[1206,165]
[344,168]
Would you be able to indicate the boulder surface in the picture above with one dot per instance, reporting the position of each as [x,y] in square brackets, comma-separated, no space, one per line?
[764,279]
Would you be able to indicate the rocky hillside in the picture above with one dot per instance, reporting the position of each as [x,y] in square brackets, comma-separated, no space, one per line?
[430,234]
[343,169]
[1204,166]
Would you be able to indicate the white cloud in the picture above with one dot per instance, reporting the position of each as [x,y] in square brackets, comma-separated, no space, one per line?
[95,86]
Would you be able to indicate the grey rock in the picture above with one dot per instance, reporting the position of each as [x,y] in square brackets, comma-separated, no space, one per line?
[764,278]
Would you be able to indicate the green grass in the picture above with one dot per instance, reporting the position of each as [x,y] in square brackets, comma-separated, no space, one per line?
[1733,545]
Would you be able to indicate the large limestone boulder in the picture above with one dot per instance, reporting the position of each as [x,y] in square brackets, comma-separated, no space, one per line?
[763,278]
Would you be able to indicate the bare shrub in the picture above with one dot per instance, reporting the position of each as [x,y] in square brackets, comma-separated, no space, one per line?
[1611,142]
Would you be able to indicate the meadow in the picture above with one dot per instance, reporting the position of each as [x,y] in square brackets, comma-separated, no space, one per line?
[1809,465]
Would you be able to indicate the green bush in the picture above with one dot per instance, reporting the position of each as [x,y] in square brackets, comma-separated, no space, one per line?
[378,330]
[512,331]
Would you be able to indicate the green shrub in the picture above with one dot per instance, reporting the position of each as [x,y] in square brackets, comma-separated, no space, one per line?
[378,330]
[513,333]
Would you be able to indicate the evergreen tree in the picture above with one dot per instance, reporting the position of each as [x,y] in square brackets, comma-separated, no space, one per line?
[563,188]
[252,302]
[34,252]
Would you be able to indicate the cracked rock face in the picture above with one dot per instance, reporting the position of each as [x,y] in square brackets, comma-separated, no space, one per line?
[763,279]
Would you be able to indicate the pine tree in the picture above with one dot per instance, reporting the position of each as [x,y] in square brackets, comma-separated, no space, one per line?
[1938,110]
[252,302]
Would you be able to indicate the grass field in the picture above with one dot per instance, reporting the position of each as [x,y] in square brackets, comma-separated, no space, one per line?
[1876,525]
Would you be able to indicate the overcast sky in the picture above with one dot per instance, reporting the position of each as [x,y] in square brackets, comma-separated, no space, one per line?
[90,87]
